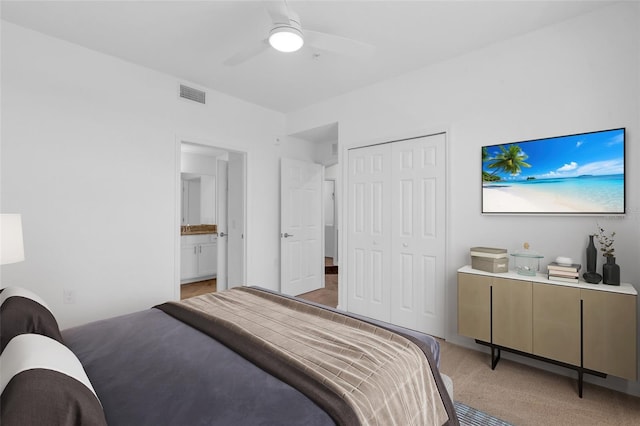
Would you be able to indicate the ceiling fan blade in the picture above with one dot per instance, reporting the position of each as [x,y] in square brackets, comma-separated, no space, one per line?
[278,11]
[337,44]
[246,54]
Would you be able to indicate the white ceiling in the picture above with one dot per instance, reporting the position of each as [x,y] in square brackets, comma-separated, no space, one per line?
[192,39]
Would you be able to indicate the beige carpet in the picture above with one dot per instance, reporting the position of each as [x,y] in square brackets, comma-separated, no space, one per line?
[524,395]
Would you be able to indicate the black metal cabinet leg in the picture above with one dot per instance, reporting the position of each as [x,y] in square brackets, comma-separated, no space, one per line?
[580,381]
[494,358]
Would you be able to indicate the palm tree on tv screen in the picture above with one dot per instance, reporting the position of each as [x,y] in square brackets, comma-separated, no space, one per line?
[486,176]
[509,160]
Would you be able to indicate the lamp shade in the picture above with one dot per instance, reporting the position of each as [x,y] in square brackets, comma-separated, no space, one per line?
[11,243]
[286,38]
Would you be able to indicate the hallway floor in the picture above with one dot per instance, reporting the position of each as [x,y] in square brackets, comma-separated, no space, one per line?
[329,294]
[326,296]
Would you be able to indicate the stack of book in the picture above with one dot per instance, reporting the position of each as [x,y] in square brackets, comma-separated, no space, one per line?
[564,273]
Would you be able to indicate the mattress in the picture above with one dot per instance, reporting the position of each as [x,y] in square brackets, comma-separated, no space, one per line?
[149,368]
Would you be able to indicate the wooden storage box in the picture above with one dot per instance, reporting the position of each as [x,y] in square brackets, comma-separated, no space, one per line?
[488,264]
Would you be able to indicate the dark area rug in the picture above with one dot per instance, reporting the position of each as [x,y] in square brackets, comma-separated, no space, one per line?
[469,416]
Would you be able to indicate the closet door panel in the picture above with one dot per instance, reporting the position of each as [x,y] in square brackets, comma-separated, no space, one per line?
[418,240]
[369,231]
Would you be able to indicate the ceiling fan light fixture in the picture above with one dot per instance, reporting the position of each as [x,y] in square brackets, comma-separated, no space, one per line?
[286,38]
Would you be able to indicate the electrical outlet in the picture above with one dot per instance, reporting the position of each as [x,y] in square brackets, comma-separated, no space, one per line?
[68,296]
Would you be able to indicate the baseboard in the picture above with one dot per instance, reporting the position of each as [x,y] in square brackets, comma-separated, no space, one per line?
[195,280]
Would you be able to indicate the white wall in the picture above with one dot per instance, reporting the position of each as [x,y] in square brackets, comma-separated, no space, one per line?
[576,76]
[90,148]
[324,153]
[198,164]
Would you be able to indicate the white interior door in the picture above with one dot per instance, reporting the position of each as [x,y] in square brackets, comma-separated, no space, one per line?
[418,233]
[221,213]
[236,220]
[369,231]
[301,227]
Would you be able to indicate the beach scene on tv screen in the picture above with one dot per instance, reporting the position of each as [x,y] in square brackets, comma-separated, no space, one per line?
[581,173]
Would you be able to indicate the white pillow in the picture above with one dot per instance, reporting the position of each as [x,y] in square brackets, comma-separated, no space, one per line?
[8,292]
[31,351]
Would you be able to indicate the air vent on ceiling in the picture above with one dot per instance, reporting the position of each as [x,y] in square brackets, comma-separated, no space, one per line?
[192,94]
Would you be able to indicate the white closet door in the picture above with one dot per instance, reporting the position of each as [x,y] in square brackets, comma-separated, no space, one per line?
[369,231]
[396,232]
[418,240]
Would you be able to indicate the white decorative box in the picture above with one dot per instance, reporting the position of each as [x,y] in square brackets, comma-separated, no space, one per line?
[489,259]
[490,265]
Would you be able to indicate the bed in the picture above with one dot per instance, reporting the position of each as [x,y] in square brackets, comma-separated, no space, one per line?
[246,356]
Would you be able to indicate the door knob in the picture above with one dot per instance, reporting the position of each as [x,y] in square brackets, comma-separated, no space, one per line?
[222,234]
[286,235]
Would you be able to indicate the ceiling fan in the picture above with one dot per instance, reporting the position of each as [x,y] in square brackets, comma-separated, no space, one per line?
[287,35]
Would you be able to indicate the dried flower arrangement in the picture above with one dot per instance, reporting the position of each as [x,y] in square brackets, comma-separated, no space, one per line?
[606,242]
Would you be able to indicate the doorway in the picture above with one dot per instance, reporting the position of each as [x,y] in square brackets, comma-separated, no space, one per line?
[211,247]
[330,230]
[326,153]
[329,294]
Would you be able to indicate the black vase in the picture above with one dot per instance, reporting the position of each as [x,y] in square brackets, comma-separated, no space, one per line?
[591,255]
[611,271]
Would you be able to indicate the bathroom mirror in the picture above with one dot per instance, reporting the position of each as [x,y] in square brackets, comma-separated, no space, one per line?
[198,199]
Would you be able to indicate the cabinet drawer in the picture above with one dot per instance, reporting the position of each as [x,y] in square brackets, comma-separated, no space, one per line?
[512,319]
[474,306]
[610,333]
[556,323]
[198,239]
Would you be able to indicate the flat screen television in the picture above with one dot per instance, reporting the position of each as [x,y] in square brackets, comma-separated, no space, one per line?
[572,175]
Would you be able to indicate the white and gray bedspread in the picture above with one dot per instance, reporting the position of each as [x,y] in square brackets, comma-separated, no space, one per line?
[149,368]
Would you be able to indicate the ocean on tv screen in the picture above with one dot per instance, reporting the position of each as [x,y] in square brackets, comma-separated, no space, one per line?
[581,173]
[595,194]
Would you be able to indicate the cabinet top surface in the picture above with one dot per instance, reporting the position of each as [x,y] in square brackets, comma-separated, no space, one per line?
[198,229]
[624,288]
[198,233]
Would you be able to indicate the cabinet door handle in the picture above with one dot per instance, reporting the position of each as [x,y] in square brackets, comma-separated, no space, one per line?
[200,249]
[194,250]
